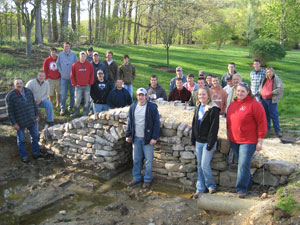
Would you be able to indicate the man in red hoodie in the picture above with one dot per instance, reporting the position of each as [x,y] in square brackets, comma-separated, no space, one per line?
[52,75]
[82,77]
[219,96]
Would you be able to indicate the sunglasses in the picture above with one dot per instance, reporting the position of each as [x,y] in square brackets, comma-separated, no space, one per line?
[243,84]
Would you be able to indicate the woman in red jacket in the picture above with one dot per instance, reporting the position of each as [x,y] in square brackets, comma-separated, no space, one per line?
[247,126]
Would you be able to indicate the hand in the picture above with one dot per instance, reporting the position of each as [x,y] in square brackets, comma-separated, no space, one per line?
[38,102]
[16,127]
[153,142]
[128,139]
[259,146]
[37,119]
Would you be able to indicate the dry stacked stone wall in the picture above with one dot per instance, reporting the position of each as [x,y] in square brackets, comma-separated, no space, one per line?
[98,141]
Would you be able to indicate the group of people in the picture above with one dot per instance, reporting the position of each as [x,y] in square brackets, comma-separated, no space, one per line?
[249,109]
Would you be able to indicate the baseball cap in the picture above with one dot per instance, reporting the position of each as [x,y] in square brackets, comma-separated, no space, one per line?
[95,53]
[90,49]
[82,52]
[99,71]
[141,91]
[229,78]
[201,72]
[178,68]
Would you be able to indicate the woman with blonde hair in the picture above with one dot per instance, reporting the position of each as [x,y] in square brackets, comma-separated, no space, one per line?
[204,135]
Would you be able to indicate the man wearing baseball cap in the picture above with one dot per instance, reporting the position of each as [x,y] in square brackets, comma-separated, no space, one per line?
[179,74]
[90,52]
[98,65]
[143,127]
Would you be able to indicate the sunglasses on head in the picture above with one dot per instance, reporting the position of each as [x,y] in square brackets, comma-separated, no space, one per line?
[243,84]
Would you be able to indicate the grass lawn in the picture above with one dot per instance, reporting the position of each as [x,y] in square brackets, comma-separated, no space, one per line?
[192,58]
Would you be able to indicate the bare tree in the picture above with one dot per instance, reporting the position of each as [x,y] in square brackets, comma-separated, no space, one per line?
[90,9]
[64,19]
[97,14]
[38,23]
[78,15]
[19,18]
[49,20]
[73,14]
[103,20]
[129,21]
[124,19]
[54,21]
[136,23]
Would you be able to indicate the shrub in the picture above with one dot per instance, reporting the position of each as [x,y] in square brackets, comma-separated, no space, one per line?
[266,50]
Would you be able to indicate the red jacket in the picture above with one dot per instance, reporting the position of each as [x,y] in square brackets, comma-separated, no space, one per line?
[50,68]
[246,121]
[82,74]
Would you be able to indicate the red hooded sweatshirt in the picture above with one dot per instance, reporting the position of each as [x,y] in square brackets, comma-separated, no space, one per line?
[82,74]
[50,68]
[246,121]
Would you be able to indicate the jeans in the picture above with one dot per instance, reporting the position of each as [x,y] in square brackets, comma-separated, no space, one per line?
[47,105]
[79,91]
[205,177]
[243,153]
[141,150]
[271,113]
[34,134]
[100,107]
[128,87]
[64,84]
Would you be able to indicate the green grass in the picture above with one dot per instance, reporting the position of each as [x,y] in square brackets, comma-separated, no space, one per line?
[286,200]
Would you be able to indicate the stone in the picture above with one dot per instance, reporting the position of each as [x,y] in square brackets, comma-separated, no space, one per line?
[168,123]
[176,153]
[187,141]
[280,167]
[120,132]
[107,148]
[257,163]
[186,182]
[176,174]
[110,165]
[109,137]
[106,153]
[98,126]
[190,148]
[81,143]
[112,158]
[77,123]
[76,136]
[88,139]
[174,140]
[114,133]
[113,123]
[172,166]
[81,132]
[89,145]
[179,147]
[192,176]
[123,115]
[283,180]
[97,159]
[227,179]
[187,168]
[163,139]
[219,165]
[187,155]
[264,177]
[164,156]
[186,131]
[175,125]
[102,141]
[94,117]
[168,132]
[218,155]
[252,171]
[160,170]
[224,146]
[158,163]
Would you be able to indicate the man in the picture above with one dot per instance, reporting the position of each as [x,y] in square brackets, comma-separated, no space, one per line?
[190,85]
[193,99]
[127,74]
[98,65]
[155,91]
[236,79]
[229,84]
[257,76]
[142,131]
[231,72]
[201,74]
[40,89]
[208,80]
[179,74]
[52,75]
[119,97]
[219,96]
[82,77]
[89,56]
[65,60]
[112,68]
[180,92]
[99,93]
[23,113]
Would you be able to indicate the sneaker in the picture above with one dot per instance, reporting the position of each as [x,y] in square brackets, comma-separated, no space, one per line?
[70,110]
[25,159]
[38,157]
[212,190]
[62,112]
[196,195]
[146,185]
[279,134]
[133,183]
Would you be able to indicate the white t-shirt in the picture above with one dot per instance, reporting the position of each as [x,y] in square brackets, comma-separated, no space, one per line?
[109,62]
[139,115]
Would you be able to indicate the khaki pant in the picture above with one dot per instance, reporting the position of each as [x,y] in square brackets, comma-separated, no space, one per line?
[54,86]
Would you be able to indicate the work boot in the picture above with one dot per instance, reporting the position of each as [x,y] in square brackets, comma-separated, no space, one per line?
[38,157]
[62,112]
[279,134]
[133,183]
[25,159]
[146,185]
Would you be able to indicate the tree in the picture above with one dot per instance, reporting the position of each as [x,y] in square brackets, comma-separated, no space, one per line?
[38,24]
[128,38]
[49,20]
[90,9]
[78,16]
[54,21]
[28,16]
[73,14]
[19,18]
[220,32]
[97,14]
[64,19]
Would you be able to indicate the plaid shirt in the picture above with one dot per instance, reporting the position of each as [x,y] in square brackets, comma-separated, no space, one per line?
[21,109]
[256,77]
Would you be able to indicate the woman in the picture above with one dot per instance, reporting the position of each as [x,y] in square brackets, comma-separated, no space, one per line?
[204,133]
[247,126]
[271,91]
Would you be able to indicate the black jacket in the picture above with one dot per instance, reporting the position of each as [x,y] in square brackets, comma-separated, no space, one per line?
[208,132]
[98,94]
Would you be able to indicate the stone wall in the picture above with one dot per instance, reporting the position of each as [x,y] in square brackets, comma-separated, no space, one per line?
[98,141]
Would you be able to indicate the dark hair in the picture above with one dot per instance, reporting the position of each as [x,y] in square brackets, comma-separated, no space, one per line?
[18,78]
[154,76]
[214,76]
[53,49]
[231,63]
[201,78]
[190,75]
[257,60]
[109,52]
[209,75]
[67,43]
[179,79]
[126,56]
[40,71]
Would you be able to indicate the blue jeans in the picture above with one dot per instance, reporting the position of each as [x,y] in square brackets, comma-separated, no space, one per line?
[205,177]
[64,85]
[129,89]
[79,91]
[243,153]
[271,113]
[140,150]
[100,107]
[47,105]
[34,134]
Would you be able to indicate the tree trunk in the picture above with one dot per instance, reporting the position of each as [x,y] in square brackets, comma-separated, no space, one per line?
[90,9]
[1,34]
[64,19]
[49,20]
[129,21]
[11,23]
[103,20]
[168,57]
[54,21]
[135,23]
[6,19]
[38,24]
[28,42]
[73,14]
[78,16]
[109,9]
[19,22]
[124,22]
[97,13]
[116,8]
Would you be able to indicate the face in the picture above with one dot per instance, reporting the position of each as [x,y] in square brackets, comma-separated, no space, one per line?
[201,83]
[53,54]
[96,58]
[141,98]
[201,75]
[82,57]
[18,84]
[202,96]
[241,92]
[229,83]
[100,76]
[126,60]
[90,53]
[119,84]
[208,79]
[179,73]
[256,66]
[215,82]
[236,80]
[190,79]
[66,47]
[153,82]
[269,74]
[109,56]
[41,76]
[179,84]
[231,68]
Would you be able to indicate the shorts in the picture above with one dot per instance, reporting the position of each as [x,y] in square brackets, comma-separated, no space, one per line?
[54,86]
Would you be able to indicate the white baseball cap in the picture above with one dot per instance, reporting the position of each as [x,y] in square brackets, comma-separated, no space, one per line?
[141,91]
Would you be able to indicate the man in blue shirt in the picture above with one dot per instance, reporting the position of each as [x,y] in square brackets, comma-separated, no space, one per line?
[179,74]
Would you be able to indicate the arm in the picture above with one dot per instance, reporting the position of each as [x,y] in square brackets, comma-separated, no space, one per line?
[133,72]
[164,94]
[194,126]
[128,132]
[225,96]
[170,96]
[47,91]
[156,125]
[58,63]
[121,75]
[92,76]
[10,109]
[109,100]
[260,119]
[279,87]
[46,68]
[214,128]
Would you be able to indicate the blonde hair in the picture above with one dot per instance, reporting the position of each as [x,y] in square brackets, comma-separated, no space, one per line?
[207,92]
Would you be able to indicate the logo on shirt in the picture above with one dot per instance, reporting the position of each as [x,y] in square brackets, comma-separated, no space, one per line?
[101,86]
[243,108]
[53,66]
[82,69]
